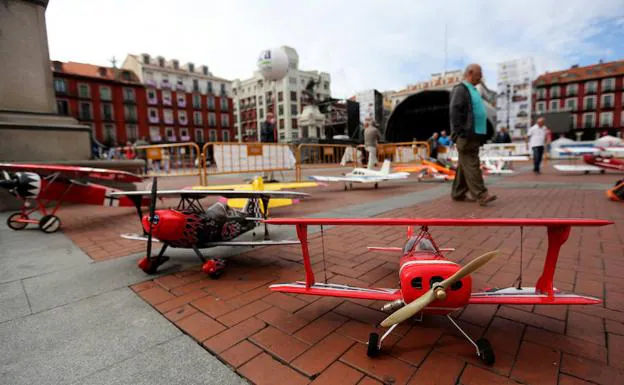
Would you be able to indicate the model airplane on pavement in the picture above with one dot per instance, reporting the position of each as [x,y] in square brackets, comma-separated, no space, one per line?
[432,284]
[44,184]
[593,162]
[616,193]
[258,185]
[190,226]
[364,175]
[432,168]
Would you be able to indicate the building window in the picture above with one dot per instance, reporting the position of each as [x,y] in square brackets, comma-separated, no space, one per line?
[224,104]
[105,93]
[606,119]
[170,134]
[152,115]
[326,85]
[226,135]
[606,101]
[154,132]
[166,97]
[176,64]
[63,107]
[199,135]
[168,116]
[132,132]
[197,101]
[293,96]
[281,124]
[541,93]
[293,109]
[212,135]
[110,134]
[608,84]
[590,87]
[554,105]
[209,87]
[280,110]
[182,118]
[130,113]
[589,103]
[197,118]
[292,81]
[211,103]
[184,134]
[129,95]
[571,104]
[225,120]
[107,111]
[212,119]
[260,100]
[195,85]
[572,89]
[554,92]
[84,91]
[261,113]
[60,85]
[280,96]
[588,120]
[572,120]
[86,113]
[152,98]
[181,99]
[161,62]
[222,89]
[540,106]
[294,123]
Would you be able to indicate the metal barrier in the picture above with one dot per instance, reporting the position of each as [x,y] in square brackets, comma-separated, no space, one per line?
[403,152]
[312,155]
[221,158]
[172,159]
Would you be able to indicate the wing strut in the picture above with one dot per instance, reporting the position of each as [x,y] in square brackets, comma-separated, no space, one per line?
[265,214]
[557,236]
[302,233]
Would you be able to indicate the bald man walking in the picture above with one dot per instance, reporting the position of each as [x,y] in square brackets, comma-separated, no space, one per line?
[468,117]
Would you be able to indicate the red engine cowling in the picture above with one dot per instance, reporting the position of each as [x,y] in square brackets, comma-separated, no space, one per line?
[168,225]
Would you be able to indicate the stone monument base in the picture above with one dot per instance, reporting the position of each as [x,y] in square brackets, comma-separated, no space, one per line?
[26,136]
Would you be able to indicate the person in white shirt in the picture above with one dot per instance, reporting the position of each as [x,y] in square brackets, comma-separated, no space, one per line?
[537,141]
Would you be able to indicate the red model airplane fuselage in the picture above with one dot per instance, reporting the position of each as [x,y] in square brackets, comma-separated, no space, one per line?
[609,163]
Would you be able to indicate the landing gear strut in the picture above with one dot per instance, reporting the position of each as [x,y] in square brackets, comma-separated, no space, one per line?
[482,345]
[150,264]
[374,342]
[213,267]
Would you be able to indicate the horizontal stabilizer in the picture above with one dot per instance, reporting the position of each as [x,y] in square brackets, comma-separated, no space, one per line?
[529,296]
[336,290]
[379,248]
[138,237]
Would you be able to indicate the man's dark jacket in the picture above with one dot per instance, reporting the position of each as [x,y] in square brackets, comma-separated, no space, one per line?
[460,113]
[267,134]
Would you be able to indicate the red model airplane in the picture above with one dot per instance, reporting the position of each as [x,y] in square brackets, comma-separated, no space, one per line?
[432,284]
[53,183]
[190,226]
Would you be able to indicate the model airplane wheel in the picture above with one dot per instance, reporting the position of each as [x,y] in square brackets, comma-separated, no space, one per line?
[373,345]
[345,188]
[376,185]
[486,353]
[602,171]
[13,224]
[49,223]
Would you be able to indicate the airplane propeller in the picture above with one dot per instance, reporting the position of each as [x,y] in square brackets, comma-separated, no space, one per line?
[437,292]
[152,212]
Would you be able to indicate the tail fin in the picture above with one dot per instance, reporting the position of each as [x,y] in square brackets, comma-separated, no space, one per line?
[253,208]
[385,169]
[257,184]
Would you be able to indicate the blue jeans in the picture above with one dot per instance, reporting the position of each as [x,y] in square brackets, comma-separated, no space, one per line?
[538,153]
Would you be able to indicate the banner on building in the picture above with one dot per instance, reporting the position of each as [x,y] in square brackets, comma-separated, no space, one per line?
[513,102]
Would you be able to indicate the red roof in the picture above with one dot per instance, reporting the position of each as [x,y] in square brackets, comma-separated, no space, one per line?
[572,75]
[94,71]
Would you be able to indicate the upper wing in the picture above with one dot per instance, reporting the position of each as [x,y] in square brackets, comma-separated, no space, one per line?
[291,185]
[575,167]
[221,187]
[439,222]
[75,171]
[224,193]
[509,158]
[354,179]
[248,186]
[529,296]
[579,150]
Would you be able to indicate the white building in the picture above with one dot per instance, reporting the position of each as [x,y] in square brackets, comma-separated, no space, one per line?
[515,83]
[254,97]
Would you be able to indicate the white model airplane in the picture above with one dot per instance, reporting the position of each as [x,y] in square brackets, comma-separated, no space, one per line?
[364,175]
[496,164]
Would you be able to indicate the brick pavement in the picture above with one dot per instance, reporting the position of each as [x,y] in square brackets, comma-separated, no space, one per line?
[279,338]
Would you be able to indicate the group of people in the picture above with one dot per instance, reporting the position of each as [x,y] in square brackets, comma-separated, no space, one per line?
[438,141]
[468,120]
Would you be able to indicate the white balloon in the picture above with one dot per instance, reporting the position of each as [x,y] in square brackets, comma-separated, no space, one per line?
[273,64]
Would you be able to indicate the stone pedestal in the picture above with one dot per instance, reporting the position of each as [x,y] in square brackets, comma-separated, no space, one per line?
[311,122]
[30,128]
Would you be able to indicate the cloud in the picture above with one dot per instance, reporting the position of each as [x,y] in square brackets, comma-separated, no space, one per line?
[364,44]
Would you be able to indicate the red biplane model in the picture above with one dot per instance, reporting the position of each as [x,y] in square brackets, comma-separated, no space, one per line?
[54,183]
[432,284]
[190,226]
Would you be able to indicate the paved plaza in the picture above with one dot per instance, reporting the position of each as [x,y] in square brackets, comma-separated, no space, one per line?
[75,309]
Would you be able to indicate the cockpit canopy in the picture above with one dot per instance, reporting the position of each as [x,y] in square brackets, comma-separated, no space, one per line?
[418,244]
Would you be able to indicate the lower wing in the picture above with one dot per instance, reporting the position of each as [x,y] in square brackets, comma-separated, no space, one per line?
[138,237]
[336,290]
[346,179]
[529,296]
[571,167]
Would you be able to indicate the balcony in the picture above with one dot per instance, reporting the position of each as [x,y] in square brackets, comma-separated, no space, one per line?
[608,88]
[212,124]
[197,106]
[150,83]
[182,102]
[182,120]
[153,119]
[130,101]
[167,102]
[589,107]
[606,125]
[607,106]
[590,91]
[211,107]
[180,87]
[185,138]
[131,119]
[107,117]
[85,117]
[152,101]
[572,93]
[168,119]
[165,85]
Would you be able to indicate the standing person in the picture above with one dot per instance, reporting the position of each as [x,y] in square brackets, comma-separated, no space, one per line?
[433,146]
[444,140]
[371,138]
[537,140]
[468,117]
[267,129]
[502,136]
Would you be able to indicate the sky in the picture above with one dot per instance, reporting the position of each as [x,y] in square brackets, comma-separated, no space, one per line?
[362,44]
